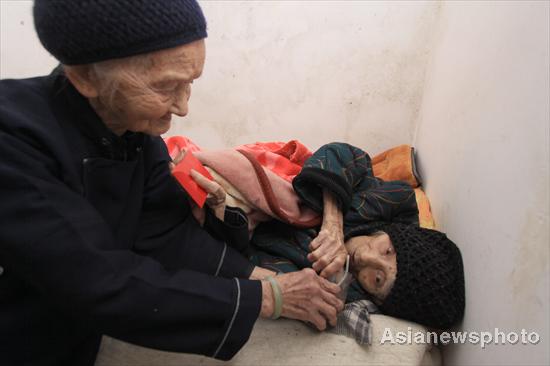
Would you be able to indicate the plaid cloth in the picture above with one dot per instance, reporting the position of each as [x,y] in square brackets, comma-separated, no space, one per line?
[354,321]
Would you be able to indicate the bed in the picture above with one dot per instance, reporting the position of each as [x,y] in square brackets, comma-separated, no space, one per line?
[289,342]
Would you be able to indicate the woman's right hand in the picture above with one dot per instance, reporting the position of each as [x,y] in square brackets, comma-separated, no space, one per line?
[306,296]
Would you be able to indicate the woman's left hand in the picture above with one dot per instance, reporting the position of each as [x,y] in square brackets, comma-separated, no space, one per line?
[328,253]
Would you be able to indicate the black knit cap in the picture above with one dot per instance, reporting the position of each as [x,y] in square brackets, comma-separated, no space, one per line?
[85,31]
[429,288]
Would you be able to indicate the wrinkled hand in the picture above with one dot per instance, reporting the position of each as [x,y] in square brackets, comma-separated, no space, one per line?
[176,160]
[216,194]
[198,213]
[328,253]
[309,298]
[215,198]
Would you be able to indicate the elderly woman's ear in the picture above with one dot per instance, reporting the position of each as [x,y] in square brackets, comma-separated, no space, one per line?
[83,79]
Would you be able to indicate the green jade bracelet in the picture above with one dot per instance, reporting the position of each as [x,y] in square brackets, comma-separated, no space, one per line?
[277,296]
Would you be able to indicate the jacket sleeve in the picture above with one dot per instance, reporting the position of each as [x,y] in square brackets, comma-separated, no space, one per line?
[347,172]
[169,233]
[55,241]
[233,229]
[338,167]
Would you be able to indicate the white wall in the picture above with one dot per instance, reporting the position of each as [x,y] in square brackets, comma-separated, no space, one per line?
[318,71]
[314,70]
[21,54]
[483,142]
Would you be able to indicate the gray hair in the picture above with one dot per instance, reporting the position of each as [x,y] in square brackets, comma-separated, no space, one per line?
[112,74]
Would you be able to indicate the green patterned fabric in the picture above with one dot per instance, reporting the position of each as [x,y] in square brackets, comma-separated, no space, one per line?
[366,201]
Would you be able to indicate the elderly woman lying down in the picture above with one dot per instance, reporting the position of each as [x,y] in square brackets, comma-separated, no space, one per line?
[409,272]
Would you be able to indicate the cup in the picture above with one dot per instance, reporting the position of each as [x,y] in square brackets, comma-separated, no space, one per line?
[343,279]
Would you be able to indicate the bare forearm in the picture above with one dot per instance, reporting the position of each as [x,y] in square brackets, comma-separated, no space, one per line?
[328,253]
[259,273]
[332,214]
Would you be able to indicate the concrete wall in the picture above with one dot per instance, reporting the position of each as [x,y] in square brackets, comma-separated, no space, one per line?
[483,143]
[276,70]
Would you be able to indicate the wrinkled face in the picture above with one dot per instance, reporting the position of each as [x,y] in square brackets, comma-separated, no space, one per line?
[373,262]
[147,101]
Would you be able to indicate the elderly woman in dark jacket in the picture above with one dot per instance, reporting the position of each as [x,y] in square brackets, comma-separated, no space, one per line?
[96,237]
[408,271]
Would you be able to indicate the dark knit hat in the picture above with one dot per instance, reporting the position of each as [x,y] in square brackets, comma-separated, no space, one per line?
[85,31]
[429,288]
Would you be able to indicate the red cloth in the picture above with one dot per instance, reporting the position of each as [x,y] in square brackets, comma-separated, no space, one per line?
[267,187]
[178,143]
[285,159]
